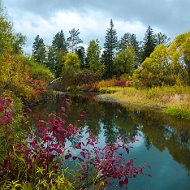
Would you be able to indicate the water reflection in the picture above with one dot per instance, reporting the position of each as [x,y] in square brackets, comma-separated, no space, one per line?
[164,142]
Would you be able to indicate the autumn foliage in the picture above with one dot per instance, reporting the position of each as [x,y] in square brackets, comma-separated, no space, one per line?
[43,152]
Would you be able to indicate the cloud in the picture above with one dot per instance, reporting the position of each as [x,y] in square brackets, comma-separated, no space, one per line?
[171,15]
[92,25]
[46,18]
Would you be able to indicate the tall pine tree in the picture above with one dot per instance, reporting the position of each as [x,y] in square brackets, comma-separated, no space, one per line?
[73,40]
[110,46]
[39,50]
[149,44]
[82,56]
[56,53]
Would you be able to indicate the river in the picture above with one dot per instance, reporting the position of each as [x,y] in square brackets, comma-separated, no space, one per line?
[163,142]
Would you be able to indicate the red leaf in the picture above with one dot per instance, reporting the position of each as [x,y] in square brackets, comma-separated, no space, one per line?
[59,151]
[82,154]
[121,183]
[78,146]
[1,109]
[6,162]
[126,181]
[127,150]
[68,156]
[63,109]
[80,159]
[70,125]
[74,157]
[78,121]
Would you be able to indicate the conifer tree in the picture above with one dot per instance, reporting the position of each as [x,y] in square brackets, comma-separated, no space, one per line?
[149,44]
[59,43]
[56,53]
[73,40]
[82,56]
[39,50]
[110,46]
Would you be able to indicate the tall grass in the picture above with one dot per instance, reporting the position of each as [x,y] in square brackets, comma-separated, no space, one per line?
[175,99]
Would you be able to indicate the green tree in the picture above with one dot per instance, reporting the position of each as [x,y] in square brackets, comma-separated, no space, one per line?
[82,56]
[39,50]
[158,70]
[125,41]
[149,43]
[71,60]
[51,58]
[71,68]
[136,45]
[125,61]
[18,41]
[6,35]
[59,43]
[110,46]
[162,39]
[180,51]
[56,53]
[73,40]
[130,40]
[93,57]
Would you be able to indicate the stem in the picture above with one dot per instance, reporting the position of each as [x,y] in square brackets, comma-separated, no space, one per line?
[85,186]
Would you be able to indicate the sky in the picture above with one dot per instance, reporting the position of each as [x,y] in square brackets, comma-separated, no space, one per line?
[92,18]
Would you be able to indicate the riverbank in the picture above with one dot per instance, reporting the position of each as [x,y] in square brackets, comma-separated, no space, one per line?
[174,101]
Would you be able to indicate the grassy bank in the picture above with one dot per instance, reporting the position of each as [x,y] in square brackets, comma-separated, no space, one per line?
[174,101]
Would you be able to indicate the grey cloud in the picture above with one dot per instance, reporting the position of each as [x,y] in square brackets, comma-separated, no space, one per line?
[172,16]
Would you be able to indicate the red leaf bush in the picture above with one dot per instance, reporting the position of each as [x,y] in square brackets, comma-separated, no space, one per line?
[46,147]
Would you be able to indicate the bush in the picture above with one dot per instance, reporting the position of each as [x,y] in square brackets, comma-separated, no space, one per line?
[120,82]
[40,72]
[84,79]
[37,160]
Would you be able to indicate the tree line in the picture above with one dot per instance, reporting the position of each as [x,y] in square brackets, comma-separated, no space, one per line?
[117,57]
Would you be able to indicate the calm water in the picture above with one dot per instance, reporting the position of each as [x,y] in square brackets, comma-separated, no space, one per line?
[164,143]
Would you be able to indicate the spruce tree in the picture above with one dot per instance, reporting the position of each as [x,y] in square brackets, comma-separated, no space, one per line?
[59,43]
[39,50]
[82,56]
[56,53]
[110,46]
[149,43]
[135,44]
[51,58]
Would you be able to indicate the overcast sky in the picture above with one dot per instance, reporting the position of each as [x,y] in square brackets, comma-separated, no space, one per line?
[92,17]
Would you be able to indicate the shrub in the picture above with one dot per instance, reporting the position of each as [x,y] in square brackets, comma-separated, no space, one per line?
[36,161]
[114,82]
[40,72]
[120,82]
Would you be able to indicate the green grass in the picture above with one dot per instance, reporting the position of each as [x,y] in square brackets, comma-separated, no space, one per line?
[180,113]
[175,99]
